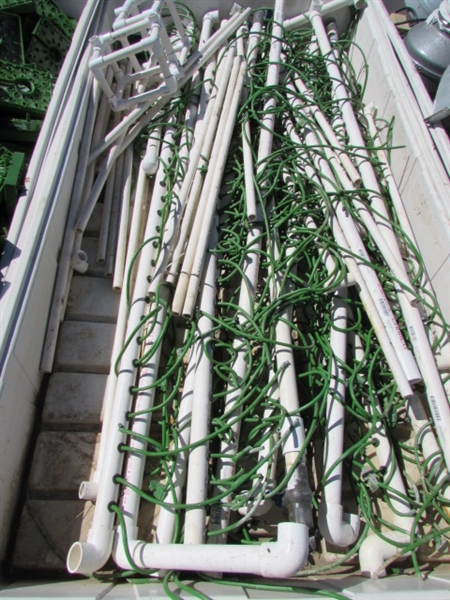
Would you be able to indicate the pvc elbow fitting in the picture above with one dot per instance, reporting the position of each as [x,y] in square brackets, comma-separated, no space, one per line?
[213,16]
[86,558]
[283,558]
[338,528]
[79,261]
[375,551]
[316,5]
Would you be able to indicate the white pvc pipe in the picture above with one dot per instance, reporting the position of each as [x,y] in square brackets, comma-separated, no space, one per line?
[338,122]
[214,188]
[197,481]
[283,558]
[93,197]
[123,13]
[369,305]
[99,132]
[329,9]
[65,257]
[114,218]
[336,527]
[210,19]
[225,466]
[199,157]
[89,489]
[90,556]
[166,518]
[166,229]
[102,248]
[250,195]
[374,551]
[366,272]
[150,160]
[206,204]
[297,496]
[122,237]
[140,426]
[328,131]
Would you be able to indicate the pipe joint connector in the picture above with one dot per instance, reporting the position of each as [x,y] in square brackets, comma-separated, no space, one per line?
[298,498]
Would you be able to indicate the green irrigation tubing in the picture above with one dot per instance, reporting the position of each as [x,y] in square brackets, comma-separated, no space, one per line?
[285,198]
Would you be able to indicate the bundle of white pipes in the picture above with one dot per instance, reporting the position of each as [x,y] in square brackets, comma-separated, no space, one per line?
[219,402]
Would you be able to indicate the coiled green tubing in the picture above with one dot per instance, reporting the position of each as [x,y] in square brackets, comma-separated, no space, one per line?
[286,199]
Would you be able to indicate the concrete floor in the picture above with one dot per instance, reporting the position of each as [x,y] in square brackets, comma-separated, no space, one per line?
[52,517]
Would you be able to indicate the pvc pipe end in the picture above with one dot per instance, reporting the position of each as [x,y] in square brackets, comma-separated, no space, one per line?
[88,490]
[374,551]
[263,508]
[338,528]
[359,4]
[75,558]
[86,558]
[79,261]
[150,165]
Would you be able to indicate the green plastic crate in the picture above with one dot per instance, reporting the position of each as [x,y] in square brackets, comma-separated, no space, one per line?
[24,89]
[48,47]
[11,44]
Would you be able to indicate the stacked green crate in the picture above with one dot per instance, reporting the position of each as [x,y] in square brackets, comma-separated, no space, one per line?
[35,36]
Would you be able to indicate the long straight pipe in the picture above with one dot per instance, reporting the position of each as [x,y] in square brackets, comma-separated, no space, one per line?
[436,395]
[225,465]
[365,270]
[90,556]
[211,204]
[366,298]
[198,467]
[122,236]
[89,489]
[206,203]
[199,157]
[140,426]
[189,158]
[329,9]
[64,267]
[437,399]
[337,528]
[165,529]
